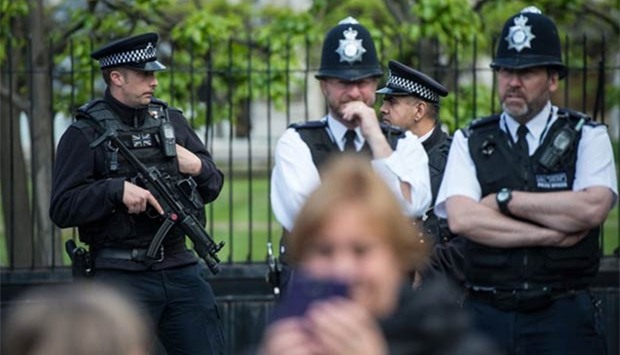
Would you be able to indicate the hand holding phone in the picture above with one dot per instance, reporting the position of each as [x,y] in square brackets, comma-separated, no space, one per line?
[303,291]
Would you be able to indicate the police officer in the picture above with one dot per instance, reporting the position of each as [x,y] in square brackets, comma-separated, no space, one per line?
[529,189]
[348,75]
[97,191]
[411,102]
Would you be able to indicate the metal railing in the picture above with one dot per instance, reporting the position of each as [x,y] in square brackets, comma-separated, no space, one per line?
[239,105]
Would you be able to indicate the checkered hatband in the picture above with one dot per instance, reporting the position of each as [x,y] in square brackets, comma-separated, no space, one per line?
[413,87]
[134,56]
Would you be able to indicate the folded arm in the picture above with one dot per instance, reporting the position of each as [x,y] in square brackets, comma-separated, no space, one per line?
[564,211]
[485,225]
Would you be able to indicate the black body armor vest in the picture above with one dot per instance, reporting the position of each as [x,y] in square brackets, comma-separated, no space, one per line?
[437,147]
[497,166]
[121,229]
[322,145]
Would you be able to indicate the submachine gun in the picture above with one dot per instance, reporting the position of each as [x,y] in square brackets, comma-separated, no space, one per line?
[167,195]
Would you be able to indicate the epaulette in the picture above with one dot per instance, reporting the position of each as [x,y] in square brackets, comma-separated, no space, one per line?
[88,106]
[577,116]
[159,102]
[309,125]
[155,101]
[480,122]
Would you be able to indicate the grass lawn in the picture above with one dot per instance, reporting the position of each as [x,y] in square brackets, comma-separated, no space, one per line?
[242,218]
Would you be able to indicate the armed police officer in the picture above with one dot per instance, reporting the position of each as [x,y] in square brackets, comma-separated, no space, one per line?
[411,101]
[348,75]
[97,191]
[529,189]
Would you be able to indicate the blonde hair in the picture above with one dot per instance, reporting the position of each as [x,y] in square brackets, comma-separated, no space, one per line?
[350,179]
[75,319]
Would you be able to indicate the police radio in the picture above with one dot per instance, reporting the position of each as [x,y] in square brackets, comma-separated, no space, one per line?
[561,143]
[168,142]
[166,131]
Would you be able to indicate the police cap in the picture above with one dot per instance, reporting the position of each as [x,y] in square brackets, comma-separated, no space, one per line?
[137,52]
[529,39]
[404,80]
[349,53]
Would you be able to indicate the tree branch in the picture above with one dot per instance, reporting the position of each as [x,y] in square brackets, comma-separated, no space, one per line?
[396,10]
[17,100]
[162,22]
[477,6]
[612,20]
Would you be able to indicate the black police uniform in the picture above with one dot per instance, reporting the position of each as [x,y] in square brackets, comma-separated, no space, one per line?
[348,55]
[531,300]
[322,146]
[446,259]
[87,192]
[349,59]
[406,81]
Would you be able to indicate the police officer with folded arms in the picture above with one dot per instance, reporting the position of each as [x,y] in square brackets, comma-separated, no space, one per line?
[96,189]
[529,189]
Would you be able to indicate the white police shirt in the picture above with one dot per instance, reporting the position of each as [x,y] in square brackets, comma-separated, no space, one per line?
[598,169]
[295,176]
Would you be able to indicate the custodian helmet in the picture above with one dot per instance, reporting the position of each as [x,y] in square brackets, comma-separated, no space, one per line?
[349,53]
[529,39]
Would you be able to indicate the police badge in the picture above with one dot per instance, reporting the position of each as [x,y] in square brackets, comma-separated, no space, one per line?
[520,35]
[350,48]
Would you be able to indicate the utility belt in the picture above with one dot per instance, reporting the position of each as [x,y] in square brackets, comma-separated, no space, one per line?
[134,254]
[521,300]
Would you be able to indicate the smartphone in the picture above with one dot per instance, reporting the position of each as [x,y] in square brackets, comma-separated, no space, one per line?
[303,290]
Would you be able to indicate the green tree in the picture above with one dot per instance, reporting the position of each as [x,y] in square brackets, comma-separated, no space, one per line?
[239,51]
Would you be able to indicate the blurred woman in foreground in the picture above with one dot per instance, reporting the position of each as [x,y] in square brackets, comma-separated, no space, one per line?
[352,230]
[75,319]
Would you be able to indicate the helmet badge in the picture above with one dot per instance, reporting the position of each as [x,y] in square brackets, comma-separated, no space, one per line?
[520,35]
[350,48]
[150,50]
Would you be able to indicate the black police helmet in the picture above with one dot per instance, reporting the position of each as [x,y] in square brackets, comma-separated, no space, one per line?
[529,39]
[137,53]
[349,53]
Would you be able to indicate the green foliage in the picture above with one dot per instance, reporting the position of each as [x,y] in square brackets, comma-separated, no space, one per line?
[459,108]
[10,11]
[225,35]
[447,20]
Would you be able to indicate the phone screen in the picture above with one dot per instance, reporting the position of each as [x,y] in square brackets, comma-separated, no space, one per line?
[302,291]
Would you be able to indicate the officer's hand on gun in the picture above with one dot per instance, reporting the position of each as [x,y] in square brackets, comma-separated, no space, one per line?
[137,199]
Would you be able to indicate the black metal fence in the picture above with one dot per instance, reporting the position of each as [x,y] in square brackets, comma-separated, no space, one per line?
[239,104]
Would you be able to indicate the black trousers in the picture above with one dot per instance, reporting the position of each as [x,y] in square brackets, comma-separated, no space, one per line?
[180,303]
[570,325]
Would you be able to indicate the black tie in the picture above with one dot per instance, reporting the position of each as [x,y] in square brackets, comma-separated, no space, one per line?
[349,141]
[521,145]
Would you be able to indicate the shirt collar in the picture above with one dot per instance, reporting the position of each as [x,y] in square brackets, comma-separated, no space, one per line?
[426,135]
[536,126]
[338,131]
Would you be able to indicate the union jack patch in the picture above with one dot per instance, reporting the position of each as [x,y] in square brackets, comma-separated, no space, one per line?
[141,140]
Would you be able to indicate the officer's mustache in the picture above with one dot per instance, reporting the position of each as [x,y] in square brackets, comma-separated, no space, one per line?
[515,93]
